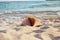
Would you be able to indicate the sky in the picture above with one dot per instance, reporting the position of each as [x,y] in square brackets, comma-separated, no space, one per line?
[22,0]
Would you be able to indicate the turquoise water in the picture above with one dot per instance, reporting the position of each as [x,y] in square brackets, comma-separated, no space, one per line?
[28,5]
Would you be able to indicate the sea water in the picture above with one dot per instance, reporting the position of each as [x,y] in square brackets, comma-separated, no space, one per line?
[30,5]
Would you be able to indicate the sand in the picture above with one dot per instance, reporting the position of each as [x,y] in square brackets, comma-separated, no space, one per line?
[10,28]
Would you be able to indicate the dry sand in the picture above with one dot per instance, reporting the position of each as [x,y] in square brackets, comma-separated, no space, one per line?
[10,29]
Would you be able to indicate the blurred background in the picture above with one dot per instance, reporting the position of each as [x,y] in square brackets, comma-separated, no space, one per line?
[30,5]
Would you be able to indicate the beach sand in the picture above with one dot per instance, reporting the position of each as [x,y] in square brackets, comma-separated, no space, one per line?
[11,28]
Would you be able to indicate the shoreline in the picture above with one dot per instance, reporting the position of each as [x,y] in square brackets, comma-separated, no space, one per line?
[31,13]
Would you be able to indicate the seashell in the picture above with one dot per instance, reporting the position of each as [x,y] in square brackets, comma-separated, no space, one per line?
[31,21]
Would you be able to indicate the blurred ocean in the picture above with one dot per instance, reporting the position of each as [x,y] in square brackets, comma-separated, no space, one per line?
[30,5]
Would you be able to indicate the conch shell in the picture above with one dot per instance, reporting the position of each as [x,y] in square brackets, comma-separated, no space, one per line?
[31,21]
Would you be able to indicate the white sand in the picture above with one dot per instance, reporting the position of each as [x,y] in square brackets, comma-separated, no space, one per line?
[10,29]
[16,32]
